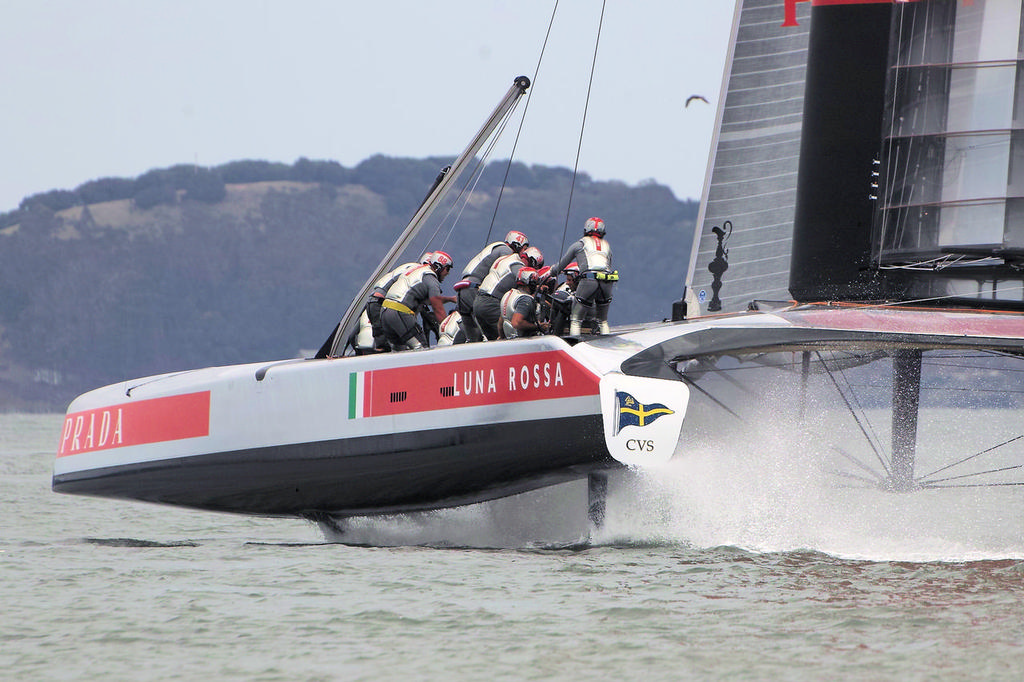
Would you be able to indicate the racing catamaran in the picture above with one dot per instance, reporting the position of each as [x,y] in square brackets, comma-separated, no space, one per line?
[856,377]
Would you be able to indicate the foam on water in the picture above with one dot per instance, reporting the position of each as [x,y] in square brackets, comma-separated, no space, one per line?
[773,495]
[553,516]
[764,493]
[715,500]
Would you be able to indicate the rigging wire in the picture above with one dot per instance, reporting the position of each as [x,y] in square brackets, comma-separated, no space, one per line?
[712,398]
[974,485]
[844,454]
[931,484]
[893,304]
[526,107]
[890,169]
[930,299]
[853,395]
[462,200]
[853,413]
[965,459]
[583,125]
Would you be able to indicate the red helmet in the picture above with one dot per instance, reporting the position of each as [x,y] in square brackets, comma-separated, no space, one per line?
[532,257]
[527,277]
[425,258]
[594,226]
[516,240]
[544,273]
[572,270]
[439,260]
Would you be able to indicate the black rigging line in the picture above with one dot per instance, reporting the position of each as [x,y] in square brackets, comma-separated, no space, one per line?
[974,485]
[853,394]
[583,126]
[735,382]
[873,483]
[710,397]
[526,107]
[965,459]
[930,484]
[857,462]
[462,200]
[853,413]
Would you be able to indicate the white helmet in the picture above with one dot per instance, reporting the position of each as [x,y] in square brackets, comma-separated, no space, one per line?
[516,240]
[594,226]
[527,277]
[439,260]
[532,257]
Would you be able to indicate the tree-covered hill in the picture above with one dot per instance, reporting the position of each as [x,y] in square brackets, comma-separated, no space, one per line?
[187,267]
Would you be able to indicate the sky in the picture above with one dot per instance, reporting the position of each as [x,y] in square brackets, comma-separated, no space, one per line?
[113,88]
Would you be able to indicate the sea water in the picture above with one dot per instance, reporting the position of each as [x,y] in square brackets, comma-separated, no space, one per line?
[737,565]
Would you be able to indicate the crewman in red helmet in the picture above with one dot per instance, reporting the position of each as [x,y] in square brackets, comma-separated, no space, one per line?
[593,254]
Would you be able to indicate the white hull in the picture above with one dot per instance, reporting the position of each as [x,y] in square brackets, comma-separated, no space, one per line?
[444,426]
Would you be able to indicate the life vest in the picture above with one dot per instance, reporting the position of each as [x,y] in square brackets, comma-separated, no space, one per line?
[449,328]
[484,253]
[598,253]
[401,290]
[508,309]
[502,275]
[388,278]
[363,339]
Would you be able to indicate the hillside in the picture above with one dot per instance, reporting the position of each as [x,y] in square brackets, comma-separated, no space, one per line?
[187,267]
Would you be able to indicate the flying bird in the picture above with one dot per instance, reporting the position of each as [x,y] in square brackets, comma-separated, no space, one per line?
[693,97]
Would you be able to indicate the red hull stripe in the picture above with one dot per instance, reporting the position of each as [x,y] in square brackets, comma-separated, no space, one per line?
[542,375]
[136,423]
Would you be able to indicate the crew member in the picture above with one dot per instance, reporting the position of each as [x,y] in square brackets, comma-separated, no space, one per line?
[376,298]
[594,256]
[429,322]
[501,278]
[561,299]
[361,339]
[474,273]
[452,331]
[519,307]
[421,284]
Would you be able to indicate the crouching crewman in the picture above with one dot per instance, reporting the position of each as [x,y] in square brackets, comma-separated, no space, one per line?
[519,307]
[413,288]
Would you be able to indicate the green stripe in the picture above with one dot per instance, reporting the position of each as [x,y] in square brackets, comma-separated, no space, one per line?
[353,383]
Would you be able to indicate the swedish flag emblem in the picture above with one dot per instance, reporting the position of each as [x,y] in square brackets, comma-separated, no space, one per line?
[632,412]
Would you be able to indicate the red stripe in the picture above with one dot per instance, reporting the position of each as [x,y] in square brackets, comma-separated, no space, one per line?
[367,393]
[505,379]
[136,423]
[856,2]
[789,10]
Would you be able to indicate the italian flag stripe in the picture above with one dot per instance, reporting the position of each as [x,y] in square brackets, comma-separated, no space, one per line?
[353,395]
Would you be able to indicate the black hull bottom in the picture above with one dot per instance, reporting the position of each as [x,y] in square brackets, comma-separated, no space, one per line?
[388,473]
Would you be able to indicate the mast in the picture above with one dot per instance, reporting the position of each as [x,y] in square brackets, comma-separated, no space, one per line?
[441,186]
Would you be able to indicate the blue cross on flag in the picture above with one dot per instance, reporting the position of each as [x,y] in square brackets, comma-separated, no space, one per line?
[632,412]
